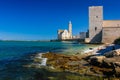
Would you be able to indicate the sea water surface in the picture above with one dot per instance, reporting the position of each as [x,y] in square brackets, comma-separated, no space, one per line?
[13,55]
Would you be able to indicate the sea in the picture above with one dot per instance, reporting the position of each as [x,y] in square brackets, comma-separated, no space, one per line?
[15,54]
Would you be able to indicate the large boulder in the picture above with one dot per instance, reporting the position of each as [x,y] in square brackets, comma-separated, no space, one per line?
[112,53]
[96,60]
[117,72]
[102,61]
[112,62]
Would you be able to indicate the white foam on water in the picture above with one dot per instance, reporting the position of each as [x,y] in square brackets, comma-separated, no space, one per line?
[43,60]
[87,51]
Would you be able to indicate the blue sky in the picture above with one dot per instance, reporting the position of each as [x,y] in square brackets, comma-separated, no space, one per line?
[40,19]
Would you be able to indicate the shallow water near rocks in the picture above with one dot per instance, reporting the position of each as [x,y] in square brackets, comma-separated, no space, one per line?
[15,54]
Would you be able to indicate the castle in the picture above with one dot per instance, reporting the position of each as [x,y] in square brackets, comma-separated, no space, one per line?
[102,31]
[65,34]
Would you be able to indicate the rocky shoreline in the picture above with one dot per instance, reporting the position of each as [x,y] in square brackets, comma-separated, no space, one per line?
[103,66]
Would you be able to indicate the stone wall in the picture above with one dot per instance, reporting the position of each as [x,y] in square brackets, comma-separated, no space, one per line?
[109,34]
[95,23]
[111,23]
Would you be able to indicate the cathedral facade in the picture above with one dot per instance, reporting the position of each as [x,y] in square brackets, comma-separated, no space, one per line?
[65,34]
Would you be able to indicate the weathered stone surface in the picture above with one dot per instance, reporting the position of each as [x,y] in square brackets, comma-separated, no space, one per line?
[113,62]
[102,61]
[95,23]
[92,66]
[72,63]
[117,70]
[110,33]
[96,60]
[106,66]
[113,53]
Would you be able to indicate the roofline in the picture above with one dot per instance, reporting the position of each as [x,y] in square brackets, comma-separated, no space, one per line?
[94,6]
[111,27]
[111,20]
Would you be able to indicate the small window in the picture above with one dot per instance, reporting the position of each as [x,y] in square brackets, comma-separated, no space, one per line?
[96,16]
[95,28]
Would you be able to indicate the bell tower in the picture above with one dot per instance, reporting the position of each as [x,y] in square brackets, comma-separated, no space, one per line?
[70,29]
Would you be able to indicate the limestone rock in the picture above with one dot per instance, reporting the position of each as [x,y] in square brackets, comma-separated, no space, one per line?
[112,62]
[113,53]
[102,61]
[96,60]
[107,66]
[117,70]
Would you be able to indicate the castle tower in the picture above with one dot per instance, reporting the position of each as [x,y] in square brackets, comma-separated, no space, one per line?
[95,24]
[70,29]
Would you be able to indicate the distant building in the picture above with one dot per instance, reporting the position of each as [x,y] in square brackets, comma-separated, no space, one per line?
[82,35]
[87,34]
[65,34]
[76,37]
[102,31]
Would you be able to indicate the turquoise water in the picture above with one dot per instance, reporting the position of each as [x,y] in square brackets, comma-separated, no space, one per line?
[12,49]
[15,54]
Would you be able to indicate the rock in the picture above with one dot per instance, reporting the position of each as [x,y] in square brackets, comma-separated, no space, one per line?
[117,64]
[108,66]
[113,53]
[117,71]
[96,60]
[112,62]
[74,58]
[102,61]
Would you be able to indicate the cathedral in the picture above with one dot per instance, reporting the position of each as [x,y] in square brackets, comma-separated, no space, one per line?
[65,34]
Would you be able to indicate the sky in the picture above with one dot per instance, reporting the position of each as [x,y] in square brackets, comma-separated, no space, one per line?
[40,19]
